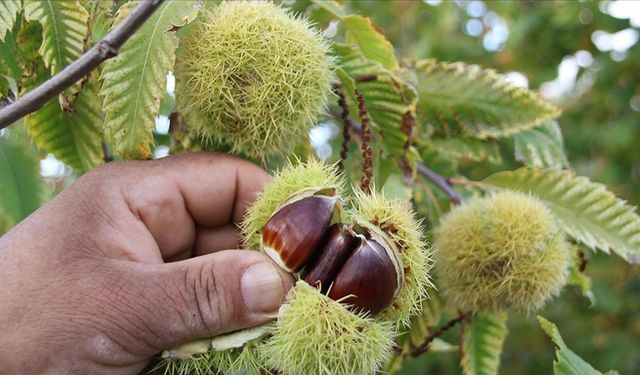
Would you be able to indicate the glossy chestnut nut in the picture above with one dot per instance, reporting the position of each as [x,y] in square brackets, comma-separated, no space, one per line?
[337,245]
[293,233]
[369,280]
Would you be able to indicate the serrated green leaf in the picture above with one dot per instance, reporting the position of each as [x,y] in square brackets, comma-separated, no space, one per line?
[566,362]
[541,146]
[9,10]
[588,211]
[64,30]
[459,99]
[374,45]
[467,148]
[387,97]
[134,81]
[21,187]
[483,340]
[73,137]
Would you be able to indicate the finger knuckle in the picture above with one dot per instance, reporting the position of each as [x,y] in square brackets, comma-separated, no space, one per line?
[210,302]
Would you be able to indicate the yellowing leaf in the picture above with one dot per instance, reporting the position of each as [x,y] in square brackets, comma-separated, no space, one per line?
[9,10]
[134,81]
[65,28]
[588,211]
[374,45]
[73,137]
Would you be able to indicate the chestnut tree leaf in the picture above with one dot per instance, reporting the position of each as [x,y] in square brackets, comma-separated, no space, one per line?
[482,341]
[388,98]
[460,99]
[134,81]
[72,135]
[541,146]
[9,10]
[21,187]
[370,40]
[64,31]
[466,149]
[566,362]
[588,211]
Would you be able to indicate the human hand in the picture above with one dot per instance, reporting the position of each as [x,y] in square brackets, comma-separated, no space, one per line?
[85,287]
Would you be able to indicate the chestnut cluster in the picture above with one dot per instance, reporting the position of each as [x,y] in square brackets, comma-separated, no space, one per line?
[353,263]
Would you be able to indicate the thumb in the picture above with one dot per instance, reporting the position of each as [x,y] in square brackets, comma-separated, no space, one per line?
[203,297]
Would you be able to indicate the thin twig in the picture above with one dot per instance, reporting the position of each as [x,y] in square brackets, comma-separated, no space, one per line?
[105,49]
[347,124]
[422,348]
[367,152]
[440,181]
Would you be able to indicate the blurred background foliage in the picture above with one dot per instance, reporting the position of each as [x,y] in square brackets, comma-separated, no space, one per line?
[585,57]
[582,55]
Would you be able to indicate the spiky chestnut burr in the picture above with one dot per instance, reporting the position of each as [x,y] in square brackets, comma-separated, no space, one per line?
[345,338]
[251,77]
[395,220]
[501,252]
[316,335]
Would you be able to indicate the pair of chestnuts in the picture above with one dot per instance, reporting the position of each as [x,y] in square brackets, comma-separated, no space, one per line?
[356,264]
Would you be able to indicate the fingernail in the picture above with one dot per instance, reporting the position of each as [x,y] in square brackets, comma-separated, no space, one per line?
[262,288]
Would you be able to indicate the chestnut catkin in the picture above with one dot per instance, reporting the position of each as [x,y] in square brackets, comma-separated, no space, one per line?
[251,77]
[504,251]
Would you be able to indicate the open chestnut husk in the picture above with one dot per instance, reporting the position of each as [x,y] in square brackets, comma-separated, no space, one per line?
[359,268]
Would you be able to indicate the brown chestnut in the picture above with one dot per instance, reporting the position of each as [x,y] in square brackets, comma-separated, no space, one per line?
[336,247]
[369,279]
[293,233]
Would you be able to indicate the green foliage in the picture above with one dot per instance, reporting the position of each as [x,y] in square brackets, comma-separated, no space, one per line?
[588,211]
[135,80]
[21,188]
[483,340]
[466,148]
[374,45]
[541,146]
[64,30]
[9,10]
[387,97]
[469,123]
[567,362]
[71,135]
[461,99]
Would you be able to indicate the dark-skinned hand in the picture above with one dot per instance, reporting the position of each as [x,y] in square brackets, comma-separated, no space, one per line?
[132,259]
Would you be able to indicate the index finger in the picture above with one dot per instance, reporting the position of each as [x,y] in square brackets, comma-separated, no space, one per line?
[179,196]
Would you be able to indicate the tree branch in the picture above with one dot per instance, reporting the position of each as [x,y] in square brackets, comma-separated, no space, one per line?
[422,348]
[105,49]
[441,182]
